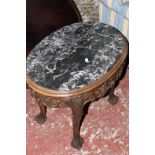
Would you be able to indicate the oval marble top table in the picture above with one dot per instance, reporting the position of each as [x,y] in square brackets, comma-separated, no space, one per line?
[75,56]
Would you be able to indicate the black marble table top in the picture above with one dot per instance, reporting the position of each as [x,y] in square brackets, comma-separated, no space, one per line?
[75,55]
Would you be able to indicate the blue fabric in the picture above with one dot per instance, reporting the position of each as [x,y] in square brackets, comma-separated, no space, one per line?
[113,18]
[117,6]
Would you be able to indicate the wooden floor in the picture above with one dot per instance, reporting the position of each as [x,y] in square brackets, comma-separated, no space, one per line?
[45,16]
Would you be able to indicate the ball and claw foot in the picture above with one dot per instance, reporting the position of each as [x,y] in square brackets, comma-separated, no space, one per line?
[40,118]
[77,142]
[113,99]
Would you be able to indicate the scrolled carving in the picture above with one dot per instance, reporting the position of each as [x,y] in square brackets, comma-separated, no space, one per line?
[47,100]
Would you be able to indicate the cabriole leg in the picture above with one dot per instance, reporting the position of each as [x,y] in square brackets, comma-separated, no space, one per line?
[41,117]
[113,99]
[77,111]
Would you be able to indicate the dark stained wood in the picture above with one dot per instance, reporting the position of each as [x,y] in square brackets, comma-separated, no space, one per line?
[41,118]
[113,99]
[77,112]
[45,16]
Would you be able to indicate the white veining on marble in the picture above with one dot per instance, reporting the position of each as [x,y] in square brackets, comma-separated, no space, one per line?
[75,55]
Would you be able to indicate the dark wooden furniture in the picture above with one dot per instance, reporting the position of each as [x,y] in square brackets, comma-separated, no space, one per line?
[45,16]
[75,65]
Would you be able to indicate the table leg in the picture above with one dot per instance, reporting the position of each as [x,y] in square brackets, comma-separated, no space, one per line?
[41,117]
[77,111]
[113,99]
